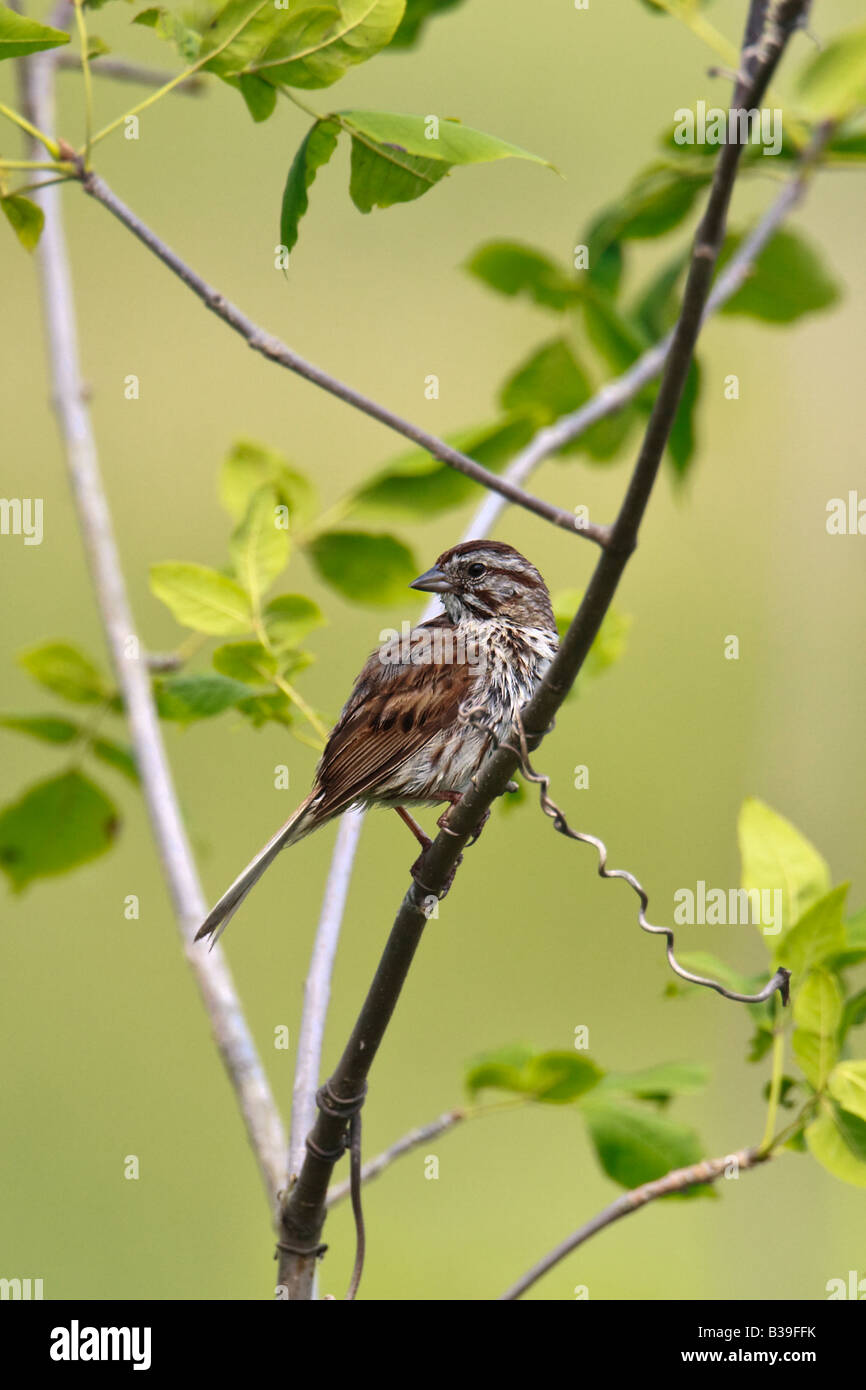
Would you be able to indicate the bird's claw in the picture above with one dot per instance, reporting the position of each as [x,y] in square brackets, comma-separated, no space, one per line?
[429,892]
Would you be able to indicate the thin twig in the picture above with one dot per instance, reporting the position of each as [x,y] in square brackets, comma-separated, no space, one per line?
[122,71]
[232,1036]
[317,987]
[284,356]
[303,1211]
[425,1134]
[678,1180]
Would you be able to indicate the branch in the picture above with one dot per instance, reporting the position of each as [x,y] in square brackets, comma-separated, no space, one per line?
[677,1180]
[342,1096]
[611,398]
[277,351]
[317,987]
[122,71]
[413,1140]
[623,389]
[232,1036]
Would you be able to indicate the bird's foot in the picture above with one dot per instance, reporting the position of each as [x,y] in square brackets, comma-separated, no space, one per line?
[442,820]
[415,871]
[479,827]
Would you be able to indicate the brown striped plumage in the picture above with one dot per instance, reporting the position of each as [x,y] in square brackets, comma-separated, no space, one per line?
[400,739]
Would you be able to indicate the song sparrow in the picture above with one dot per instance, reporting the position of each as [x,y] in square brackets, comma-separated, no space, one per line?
[400,740]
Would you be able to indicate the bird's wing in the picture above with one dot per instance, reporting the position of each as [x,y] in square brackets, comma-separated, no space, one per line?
[395,709]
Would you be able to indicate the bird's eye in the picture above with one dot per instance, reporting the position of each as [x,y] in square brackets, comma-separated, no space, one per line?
[475,571]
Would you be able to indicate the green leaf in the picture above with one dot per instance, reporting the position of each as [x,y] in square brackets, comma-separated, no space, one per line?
[657,200]
[417,487]
[837,1140]
[619,339]
[96,47]
[549,384]
[382,176]
[818,1003]
[259,548]
[681,443]
[854,950]
[249,662]
[272,708]
[201,598]
[853,1013]
[25,217]
[67,671]
[315,151]
[171,29]
[46,728]
[500,1070]
[249,466]
[818,934]
[850,139]
[245,27]
[513,269]
[49,729]
[289,618]
[19,35]
[417,13]
[656,309]
[608,646]
[253,664]
[260,96]
[834,81]
[607,438]
[776,856]
[394,158]
[316,46]
[635,1146]
[660,1082]
[605,270]
[787,281]
[55,826]
[559,1077]
[551,1077]
[363,567]
[186,698]
[817,1014]
[116,755]
[450,141]
[847,1085]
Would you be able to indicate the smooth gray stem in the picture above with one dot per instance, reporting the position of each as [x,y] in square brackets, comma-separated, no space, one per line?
[317,987]
[230,1031]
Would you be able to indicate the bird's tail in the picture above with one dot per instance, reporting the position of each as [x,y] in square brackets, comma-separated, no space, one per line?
[219,916]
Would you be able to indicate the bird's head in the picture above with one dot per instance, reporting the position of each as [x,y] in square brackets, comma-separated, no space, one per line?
[488,579]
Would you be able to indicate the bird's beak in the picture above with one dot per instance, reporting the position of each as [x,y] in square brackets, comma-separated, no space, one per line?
[433,581]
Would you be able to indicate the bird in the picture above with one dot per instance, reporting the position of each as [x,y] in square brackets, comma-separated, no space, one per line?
[403,738]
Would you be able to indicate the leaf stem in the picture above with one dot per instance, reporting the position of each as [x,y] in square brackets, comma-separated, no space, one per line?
[181,77]
[57,165]
[23,124]
[775,1080]
[88,79]
[306,710]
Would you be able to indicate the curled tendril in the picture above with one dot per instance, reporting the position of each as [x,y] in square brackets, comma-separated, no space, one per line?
[477,717]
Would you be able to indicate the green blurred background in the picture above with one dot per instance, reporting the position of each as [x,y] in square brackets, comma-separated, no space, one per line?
[106,1049]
